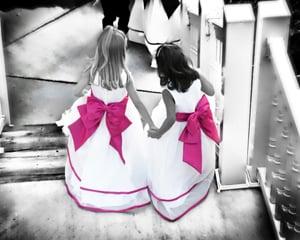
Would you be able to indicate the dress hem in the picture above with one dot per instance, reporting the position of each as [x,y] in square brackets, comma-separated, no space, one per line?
[172,199]
[101,191]
[182,214]
[113,192]
[132,191]
[95,209]
[179,196]
[72,167]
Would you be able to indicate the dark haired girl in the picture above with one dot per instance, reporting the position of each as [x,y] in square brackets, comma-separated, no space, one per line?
[181,168]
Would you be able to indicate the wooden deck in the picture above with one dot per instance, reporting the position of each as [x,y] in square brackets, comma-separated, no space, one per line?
[43,210]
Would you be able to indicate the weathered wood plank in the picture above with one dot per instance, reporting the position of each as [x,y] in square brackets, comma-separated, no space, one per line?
[12,144]
[59,175]
[43,210]
[11,166]
[29,130]
[31,154]
[32,165]
[31,169]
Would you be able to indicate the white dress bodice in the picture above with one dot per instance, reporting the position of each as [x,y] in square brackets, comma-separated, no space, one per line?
[187,101]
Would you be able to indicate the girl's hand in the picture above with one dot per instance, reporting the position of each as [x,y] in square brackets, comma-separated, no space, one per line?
[154,133]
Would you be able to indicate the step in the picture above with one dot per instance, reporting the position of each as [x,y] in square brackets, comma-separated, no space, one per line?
[32,153]
[32,138]
[31,130]
[36,143]
[32,165]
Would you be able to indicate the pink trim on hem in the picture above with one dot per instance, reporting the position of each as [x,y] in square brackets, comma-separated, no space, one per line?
[94,209]
[179,196]
[111,192]
[185,212]
[173,199]
[100,191]
[129,192]
[71,165]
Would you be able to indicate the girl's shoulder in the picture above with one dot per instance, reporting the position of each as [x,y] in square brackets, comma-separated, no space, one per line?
[96,81]
[195,86]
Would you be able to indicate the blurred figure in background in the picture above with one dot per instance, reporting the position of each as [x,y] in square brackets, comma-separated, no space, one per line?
[113,9]
[161,21]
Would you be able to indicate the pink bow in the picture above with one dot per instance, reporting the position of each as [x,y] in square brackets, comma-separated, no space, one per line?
[91,115]
[199,120]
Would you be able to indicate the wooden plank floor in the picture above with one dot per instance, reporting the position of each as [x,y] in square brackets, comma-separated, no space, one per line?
[43,210]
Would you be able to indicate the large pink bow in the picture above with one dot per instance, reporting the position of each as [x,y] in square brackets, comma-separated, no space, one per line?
[91,115]
[199,120]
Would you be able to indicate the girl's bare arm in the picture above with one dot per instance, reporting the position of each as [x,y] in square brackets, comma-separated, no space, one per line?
[170,119]
[82,83]
[206,86]
[138,103]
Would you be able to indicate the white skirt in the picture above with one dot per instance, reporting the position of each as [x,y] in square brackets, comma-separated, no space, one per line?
[96,177]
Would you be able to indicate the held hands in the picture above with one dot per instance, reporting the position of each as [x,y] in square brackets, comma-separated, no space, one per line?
[154,132]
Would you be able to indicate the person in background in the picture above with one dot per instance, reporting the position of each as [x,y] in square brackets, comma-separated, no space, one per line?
[160,21]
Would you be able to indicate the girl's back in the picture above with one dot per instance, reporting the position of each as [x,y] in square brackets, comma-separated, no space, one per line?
[187,101]
[184,102]
[109,96]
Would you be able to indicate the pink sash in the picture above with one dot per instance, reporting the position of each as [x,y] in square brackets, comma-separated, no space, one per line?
[199,120]
[91,115]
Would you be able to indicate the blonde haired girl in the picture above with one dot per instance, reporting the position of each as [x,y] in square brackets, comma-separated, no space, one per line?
[105,169]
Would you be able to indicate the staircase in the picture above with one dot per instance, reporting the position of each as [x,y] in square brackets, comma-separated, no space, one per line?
[32,153]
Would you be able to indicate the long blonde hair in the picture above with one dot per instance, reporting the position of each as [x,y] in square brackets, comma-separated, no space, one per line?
[109,59]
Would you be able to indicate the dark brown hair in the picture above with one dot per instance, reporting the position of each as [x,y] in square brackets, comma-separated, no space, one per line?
[173,68]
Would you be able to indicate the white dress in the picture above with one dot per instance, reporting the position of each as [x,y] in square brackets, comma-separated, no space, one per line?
[154,22]
[96,177]
[174,186]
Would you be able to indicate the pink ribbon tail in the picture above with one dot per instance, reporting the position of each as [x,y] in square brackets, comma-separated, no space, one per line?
[78,130]
[191,152]
[116,143]
[199,120]
[116,135]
